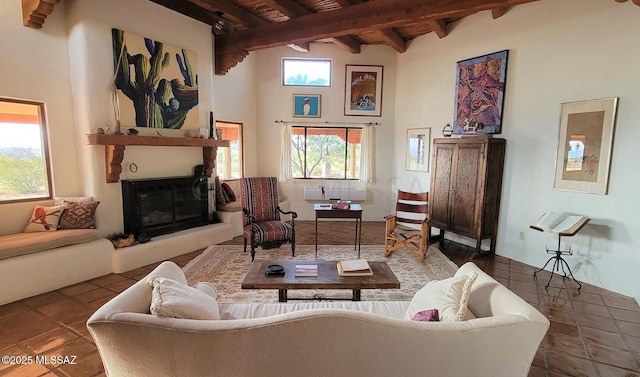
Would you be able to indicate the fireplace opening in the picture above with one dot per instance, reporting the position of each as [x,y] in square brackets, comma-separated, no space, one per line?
[164,205]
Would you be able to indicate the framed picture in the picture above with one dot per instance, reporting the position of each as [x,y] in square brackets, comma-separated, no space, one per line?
[418,142]
[480,89]
[306,105]
[363,90]
[584,145]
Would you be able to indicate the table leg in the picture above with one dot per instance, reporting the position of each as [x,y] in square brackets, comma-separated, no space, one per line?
[359,236]
[282,295]
[316,237]
[356,295]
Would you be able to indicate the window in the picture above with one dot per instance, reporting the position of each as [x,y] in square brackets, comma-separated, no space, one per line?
[229,159]
[306,72]
[24,151]
[326,153]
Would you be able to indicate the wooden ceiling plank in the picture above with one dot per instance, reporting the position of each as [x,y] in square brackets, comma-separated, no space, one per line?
[288,7]
[34,12]
[394,40]
[439,27]
[231,11]
[636,2]
[352,20]
[498,12]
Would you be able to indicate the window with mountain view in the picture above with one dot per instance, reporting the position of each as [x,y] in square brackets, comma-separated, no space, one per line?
[325,152]
[306,72]
[229,159]
[24,151]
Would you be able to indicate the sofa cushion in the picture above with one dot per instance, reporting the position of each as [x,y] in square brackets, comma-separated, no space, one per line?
[44,219]
[228,192]
[448,296]
[25,243]
[59,200]
[429,315]
[173,299]
[79,215]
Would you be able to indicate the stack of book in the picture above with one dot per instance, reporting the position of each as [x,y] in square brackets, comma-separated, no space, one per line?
[310,270]
[341,204]
[356,267]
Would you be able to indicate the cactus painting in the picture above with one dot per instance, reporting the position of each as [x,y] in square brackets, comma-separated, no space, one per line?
[157,84]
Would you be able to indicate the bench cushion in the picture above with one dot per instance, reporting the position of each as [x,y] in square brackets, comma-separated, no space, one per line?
[24,243]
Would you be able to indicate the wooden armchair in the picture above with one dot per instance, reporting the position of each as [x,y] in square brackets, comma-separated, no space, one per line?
[408,228]
[261,215]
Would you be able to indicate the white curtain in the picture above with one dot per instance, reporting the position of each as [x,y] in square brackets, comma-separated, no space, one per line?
[366,154]
[285,152]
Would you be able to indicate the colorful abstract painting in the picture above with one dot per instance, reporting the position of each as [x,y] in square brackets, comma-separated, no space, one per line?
[157,83]
[480,90]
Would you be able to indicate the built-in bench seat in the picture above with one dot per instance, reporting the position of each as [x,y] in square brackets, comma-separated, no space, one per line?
[13,245]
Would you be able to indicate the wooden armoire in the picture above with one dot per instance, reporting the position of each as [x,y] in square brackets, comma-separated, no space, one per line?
[466,182]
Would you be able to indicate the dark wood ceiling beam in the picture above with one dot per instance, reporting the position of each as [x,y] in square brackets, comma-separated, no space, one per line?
[292,9]
[439,27]
[34,12]
[188,9]
[231,12]
[353,19]
[392,38]
[348,44]
[498,12]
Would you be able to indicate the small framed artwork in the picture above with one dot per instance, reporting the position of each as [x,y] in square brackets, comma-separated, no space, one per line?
[363,90]
[418,142]
[480,90]
[584,145]
[306,105]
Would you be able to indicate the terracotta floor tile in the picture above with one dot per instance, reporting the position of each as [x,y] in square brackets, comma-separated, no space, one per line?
[611,371]
[52,339]
[629,328]
[625,315]
[591,298]
[632,342]
[94,295]
[105,280]
[620,302]
[566,344]
[31,370]
[558,314]
[78,289]
[26,326]
[595,322]
[121,285]
[603,338]
[537,372]
[591,309]
[12,309]
[44,299]
[570,365]
[86,365]
[605,355]
[563,329]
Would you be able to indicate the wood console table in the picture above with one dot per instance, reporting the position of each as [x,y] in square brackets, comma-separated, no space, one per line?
[324,211]
[114,146]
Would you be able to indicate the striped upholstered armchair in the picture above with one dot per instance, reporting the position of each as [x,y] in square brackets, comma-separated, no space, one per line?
[261,215]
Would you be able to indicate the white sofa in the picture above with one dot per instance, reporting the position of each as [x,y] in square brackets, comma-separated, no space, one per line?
[318,338]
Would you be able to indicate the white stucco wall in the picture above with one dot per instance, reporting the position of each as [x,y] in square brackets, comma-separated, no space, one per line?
[89,25]
[275,102]
[35,66]
[560,51]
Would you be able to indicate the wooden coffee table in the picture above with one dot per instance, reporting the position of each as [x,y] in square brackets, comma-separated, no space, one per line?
[328,278]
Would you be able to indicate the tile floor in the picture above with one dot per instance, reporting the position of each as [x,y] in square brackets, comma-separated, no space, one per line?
[593,332]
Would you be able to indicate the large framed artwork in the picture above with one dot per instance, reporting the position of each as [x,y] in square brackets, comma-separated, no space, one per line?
[480,90]
[584,145]
[418,142]
[157,84]
[363,90]
[306,105]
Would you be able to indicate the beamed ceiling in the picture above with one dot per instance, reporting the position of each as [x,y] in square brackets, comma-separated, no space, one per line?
[241,26]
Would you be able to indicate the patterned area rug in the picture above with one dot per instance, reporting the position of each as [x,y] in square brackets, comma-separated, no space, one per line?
[226,265]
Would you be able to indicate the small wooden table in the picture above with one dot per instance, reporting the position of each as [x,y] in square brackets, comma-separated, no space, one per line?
[324,211]
[328,278]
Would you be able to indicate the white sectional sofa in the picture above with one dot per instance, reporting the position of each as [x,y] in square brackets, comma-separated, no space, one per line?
[318,338]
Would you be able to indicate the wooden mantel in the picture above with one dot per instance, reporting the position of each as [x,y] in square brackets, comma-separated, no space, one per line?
[114,146]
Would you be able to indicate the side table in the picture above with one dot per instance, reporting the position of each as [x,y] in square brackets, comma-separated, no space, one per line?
[324,211]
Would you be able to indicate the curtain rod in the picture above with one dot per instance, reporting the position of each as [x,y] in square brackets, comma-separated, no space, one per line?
[328,123]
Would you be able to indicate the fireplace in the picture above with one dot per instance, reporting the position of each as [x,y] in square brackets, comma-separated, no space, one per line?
[164,205]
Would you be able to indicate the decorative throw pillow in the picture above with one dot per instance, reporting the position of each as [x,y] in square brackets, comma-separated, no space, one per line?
[79,215]
[448,296]
[429,315]
[44,219]
[219,193]
[228,192]
[170,298]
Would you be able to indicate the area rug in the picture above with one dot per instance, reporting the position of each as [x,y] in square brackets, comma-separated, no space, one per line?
[226,265]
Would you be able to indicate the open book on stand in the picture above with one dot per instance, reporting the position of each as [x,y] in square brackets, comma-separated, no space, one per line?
[560,223]
[356,267]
